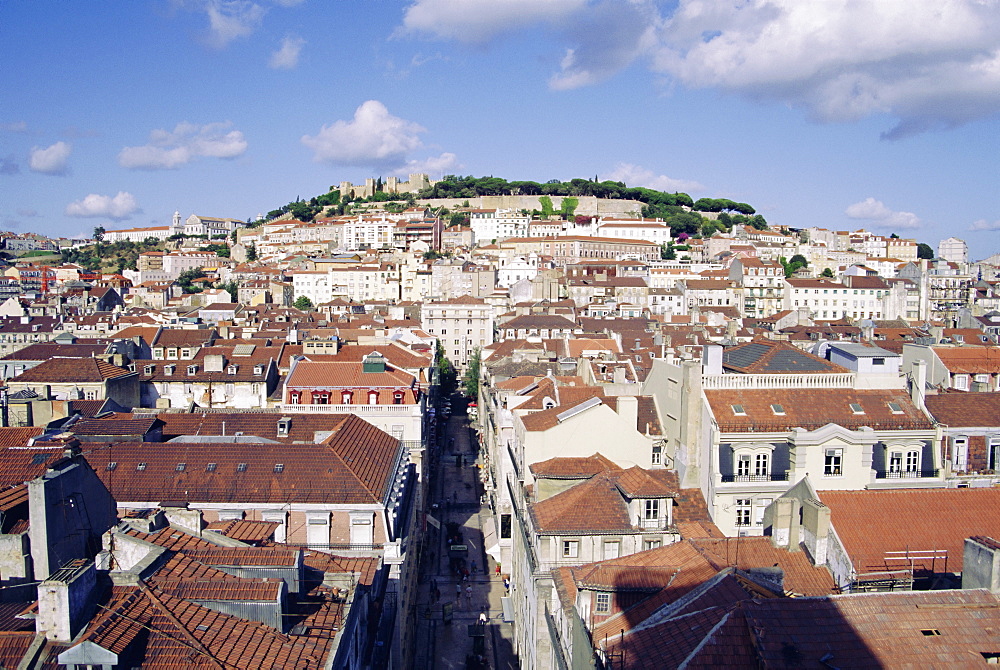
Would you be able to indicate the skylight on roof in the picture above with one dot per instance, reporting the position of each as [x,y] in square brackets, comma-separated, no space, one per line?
[895,408]
[279,467]
[39,459]
[211,467]
[140,467]
[857,409]
[778,409]
[181,467]
[112,465]
[241,467]
[739,411]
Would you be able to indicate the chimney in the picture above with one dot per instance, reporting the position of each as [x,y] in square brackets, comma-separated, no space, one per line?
[981,564]
[781,519]
[816,529]
[918,383]
[619,375]
[712,359]
[64,601]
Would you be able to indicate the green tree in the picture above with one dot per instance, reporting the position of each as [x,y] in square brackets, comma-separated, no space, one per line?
[98,238]
[447,377]
[252,252]
[667,252]
[925,251]
[470,380]
[232,288]
[303,302]
[187,278]
[827,272]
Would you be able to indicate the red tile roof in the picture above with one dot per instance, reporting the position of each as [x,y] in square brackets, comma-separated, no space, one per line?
[872,523]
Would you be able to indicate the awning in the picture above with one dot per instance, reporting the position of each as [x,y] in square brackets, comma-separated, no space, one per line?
[508,609]
[490,539]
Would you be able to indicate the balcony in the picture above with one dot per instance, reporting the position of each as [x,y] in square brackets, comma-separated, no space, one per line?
[906,474]
[774,477]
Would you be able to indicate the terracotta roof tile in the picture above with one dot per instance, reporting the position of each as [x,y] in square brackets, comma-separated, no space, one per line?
[965,410]
[872,523]
[63,370]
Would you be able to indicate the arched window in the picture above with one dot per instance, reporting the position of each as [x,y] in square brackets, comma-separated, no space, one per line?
[345,397]
[295,397]
[372,397]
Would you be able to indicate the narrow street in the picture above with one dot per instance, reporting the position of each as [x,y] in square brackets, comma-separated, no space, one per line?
[459,582]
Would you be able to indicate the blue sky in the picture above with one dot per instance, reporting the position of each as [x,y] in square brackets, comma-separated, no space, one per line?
[879,115]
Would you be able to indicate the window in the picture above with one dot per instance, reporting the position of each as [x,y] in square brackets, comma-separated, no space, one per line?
[743,511]
[140,467]
[895,462]
[878,361]
[612,549]
[895,408]
[570,548]
[913,461]
[778,410]
[181,467]
[211,467]
[373,397]
[651,511]
[739,411]
[112,465]
[651,544]
[295,397]
[760,506]
[279,467]
[505,526]
[961,382]
[603,603]
[345,397]
[833,463]
[960,453]
[241,467]
[761,465]
[397,398]
[857,409]
[743,465]
[657,456]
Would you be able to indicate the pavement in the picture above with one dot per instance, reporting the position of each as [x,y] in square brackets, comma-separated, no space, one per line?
[456,491]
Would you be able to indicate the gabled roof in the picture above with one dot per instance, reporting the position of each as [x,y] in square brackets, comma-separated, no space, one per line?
[970,360]
[71,370]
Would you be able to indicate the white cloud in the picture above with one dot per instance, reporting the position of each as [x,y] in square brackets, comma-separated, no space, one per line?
[475,21]
[287,55]
[928,63]
[880,216]
[288,3]
[27,212]
[435,165]
[15,127]
[634,175]
[168,150]
[983,224]
[50,160]
[229,20]
[117,208]
[373,138]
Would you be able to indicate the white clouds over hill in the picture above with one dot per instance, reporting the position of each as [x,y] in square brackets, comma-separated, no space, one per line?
[374,138]
[118,208]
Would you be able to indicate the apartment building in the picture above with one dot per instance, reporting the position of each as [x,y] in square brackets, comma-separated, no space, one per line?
[462,325]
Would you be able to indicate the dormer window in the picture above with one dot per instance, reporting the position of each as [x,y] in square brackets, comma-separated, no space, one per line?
[169,369]
[345,398]
[397,398]
[373,397]
[295,397]
[258,369]
[192,370]
[232,369]
[148,369]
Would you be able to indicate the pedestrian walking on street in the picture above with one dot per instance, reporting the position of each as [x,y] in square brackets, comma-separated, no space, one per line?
[498,569]
[458,592]
[468,595]
[474,568]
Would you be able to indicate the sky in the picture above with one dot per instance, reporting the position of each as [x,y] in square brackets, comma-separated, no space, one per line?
[875,114]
